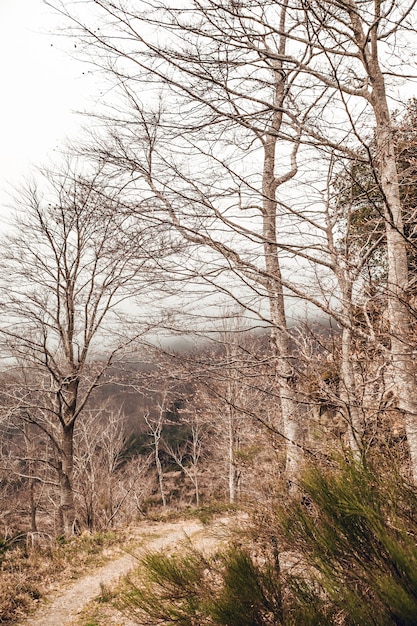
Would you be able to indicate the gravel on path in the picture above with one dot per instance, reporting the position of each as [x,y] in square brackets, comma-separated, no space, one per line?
[65,605]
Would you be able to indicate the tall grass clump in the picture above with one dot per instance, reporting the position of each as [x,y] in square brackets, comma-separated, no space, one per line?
[356,529]
[189,589]
[342,552]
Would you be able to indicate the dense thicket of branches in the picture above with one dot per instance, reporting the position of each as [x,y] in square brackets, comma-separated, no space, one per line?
[249,175]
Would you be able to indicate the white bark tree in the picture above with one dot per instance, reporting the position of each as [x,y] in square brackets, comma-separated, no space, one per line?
[250,90]
[155,426]
[238,122]
[359,47]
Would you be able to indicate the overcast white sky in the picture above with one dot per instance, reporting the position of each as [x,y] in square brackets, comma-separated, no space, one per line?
[41,86]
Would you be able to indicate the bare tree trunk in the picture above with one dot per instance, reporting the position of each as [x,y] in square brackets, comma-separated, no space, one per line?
[233,471]
[279,335]
[155,429]
[348,395]
[160,472]
[196,453]
[67,506]
[232,385]
[29,451]
[400,320]
[348,390]
[33,523]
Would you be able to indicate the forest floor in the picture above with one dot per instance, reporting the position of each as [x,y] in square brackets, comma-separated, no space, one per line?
[83,602]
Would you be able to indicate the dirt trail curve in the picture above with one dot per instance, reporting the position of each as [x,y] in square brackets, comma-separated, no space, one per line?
[65,605]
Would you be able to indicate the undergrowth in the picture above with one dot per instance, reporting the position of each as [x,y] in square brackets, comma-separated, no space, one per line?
[342,552]
[28,572]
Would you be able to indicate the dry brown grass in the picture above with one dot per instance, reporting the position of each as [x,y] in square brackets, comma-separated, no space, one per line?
[28,573]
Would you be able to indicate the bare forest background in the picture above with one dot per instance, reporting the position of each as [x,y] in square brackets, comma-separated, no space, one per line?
[218,286]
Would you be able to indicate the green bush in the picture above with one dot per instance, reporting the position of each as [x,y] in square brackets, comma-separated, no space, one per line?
[169,591]
[353,533]
[229,589]
[356,530]
[249,593]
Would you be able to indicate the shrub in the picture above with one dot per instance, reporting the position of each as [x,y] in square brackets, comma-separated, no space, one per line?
[353,533]
[170,590]
[356,529]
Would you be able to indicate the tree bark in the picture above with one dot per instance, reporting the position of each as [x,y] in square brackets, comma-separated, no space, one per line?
[400,320]
[279,334]
[160,474]
[232,446]
[33,508]
[348,394]
[67,505]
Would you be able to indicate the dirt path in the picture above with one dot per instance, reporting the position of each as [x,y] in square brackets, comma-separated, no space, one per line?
[68,603]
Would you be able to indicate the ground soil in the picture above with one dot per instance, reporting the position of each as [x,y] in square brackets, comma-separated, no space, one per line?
[67,605]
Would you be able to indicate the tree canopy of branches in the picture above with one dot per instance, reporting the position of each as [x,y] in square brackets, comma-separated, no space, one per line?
[72,262]
[225,107]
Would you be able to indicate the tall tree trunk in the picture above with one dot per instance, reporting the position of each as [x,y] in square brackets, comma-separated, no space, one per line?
[196,486]
[67,505]
[232,426]
[196,450]
[279,335]
[30,445]
[399,315]
[400,321]
[160,472]
[33,507]
[232,445]
[348,390]
[348,395]
[280,344]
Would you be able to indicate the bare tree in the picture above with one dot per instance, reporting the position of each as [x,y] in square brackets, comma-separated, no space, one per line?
[249,96]
[236,376]
[238,123]
[155,426]
[358,48]
[107,483]
[187,453]
[69,267]
[26,483]
[233,406]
